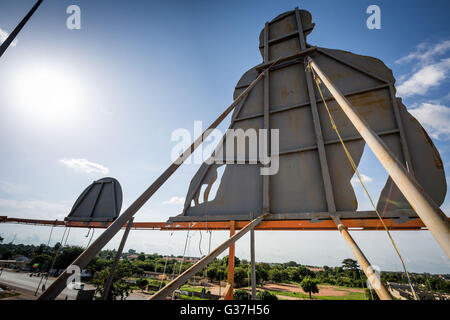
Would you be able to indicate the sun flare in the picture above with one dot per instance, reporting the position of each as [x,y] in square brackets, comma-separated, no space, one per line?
[48,94]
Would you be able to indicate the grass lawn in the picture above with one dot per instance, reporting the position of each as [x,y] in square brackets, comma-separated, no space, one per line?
[7,294]
[349,296]
[187,287]
[184,297]
[289,294]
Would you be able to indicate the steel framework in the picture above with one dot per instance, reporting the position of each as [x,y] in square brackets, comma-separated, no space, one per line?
[284,47]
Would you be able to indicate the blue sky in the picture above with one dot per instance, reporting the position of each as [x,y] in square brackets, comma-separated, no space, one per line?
[138,70]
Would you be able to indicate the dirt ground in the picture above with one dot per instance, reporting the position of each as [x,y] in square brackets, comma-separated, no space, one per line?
[324,290]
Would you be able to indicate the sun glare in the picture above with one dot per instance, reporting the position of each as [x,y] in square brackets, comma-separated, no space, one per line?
[48,95]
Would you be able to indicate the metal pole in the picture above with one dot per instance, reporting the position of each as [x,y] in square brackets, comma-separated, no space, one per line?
[56,255]
[435,220]
[266,107]
[252,261]
[19,27]
[59,284]
[109,281]
[231,251]
[48,245]
[37,288]
[376,283]
[202,263]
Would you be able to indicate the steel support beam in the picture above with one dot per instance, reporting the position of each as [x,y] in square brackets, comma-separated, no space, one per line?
[401,128]
[266,178]
[376,283]
[229,295]
[425,207]
[252,261]
[279,109]
[109,281]
[202,263]
[19,27]
[274,63]
[283,222]
[316,121]
[82,261]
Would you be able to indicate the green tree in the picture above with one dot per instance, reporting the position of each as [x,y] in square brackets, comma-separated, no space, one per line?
[261,273]
[41,249]
[136,268]
[43,260]
[291,264]
[239,276]
[294,274]
[266,295]
[351,268]
[141,257]
[350,264]
[120,288]
[237,261]
[437,284]
[67,256]
[211,273]
[276,275]
[57,246]
[309,285]
[241,295]
[97,264]
[284,275]
[142,283]
[221,273]
[107,254]
[304,271]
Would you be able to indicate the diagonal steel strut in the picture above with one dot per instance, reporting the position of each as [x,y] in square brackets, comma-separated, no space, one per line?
[82,261]
[182,278]
[19,27]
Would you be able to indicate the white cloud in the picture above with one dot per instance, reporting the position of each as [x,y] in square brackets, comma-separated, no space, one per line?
[175,200]
[11,188]
[425,52]
[33,209]
[427,77]
[4,35]
[84,165]
[435,118]
[365,179]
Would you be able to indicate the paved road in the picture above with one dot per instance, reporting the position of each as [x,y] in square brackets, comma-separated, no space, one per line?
[27,285]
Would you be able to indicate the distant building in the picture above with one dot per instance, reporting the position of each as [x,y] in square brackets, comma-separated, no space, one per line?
[7,263]
[185,259]
[21,258]
[18,261]
[315,269]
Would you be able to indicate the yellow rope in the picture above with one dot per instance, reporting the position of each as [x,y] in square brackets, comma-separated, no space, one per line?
[355,168]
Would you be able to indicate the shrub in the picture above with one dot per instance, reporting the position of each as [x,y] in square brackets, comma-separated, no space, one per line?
[241,295]
[266,295]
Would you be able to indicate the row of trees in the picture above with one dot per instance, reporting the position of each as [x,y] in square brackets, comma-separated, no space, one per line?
[348,274]
[308,285]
